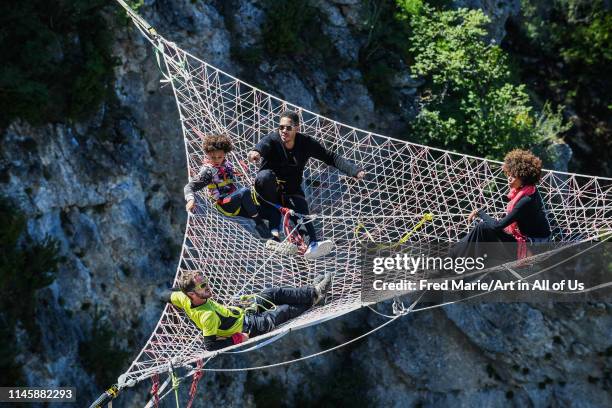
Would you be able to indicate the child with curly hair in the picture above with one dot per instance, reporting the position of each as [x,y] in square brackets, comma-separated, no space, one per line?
[218,175]
[525,220]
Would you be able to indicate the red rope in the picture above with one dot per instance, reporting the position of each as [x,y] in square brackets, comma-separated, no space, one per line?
[194,383]
[155,389]
[294,237]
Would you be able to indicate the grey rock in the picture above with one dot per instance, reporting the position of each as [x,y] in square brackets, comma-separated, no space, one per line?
[293,90]
[345,2]
[248,20]
[501,328]
[558,156]
[334,15]
[405,80]
[582,395]
[355,14]
[115,206]
[346,46]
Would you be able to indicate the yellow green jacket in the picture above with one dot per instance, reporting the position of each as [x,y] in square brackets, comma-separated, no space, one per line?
[212,318]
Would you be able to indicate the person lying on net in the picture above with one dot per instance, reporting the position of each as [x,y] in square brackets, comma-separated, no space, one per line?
[224,326]
[284,155]
[218,175]
[525,220]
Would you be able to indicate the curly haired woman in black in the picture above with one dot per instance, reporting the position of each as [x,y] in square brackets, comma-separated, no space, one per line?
[525,220]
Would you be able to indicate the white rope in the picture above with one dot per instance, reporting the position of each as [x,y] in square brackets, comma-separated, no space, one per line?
[295,360]
[406,181]
[407,311]
[390,318]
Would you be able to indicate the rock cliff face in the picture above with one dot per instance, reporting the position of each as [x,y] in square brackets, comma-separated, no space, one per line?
[110,191]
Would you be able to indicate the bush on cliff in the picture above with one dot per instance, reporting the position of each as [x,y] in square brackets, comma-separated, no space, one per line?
[57,59]
[26,265]
[472,102]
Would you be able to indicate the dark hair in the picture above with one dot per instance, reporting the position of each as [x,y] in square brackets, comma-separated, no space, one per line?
[187,281]
[295,119]
[217,142]
[524,165]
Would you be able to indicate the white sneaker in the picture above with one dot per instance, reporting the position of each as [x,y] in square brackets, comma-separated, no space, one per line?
[317,249]
[283,248]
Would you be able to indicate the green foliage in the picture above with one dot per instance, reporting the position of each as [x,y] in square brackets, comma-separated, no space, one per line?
[409,7]
[57,59]
[292,29]
[25,267]
[377,77]
[575,35]
[473,103]
[122,15]
[550,123]
[291,35]
[100,355]
[10,370]
[387,48]
[387,44]
[135,4]
[591,43]
[564,49]
[268,394]
[580,31]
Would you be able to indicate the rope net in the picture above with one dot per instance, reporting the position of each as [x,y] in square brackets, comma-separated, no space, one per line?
[405,182]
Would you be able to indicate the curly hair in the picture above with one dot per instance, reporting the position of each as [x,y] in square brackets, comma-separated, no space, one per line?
[187,281]
[217,142]
[523,165]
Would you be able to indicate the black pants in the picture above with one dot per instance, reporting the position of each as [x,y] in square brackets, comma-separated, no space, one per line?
[498,246]
[239,199]
[289,302]
[268,186]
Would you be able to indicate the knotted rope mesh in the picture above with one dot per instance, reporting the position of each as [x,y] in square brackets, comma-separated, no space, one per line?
[405,182]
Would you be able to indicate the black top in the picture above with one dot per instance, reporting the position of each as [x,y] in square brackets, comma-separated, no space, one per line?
[529,215]
[288,165]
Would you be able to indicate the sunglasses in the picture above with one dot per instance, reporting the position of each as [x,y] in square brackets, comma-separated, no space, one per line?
[283,127]
[201,285]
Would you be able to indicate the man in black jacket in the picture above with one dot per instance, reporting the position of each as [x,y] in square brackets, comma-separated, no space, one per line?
[284,155]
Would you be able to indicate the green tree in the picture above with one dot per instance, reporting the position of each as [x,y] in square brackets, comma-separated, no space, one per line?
[384,51]
[472,103]
[579,31]
[564,51]
[292,30]
[25,266]
[100,354]
[57,60]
